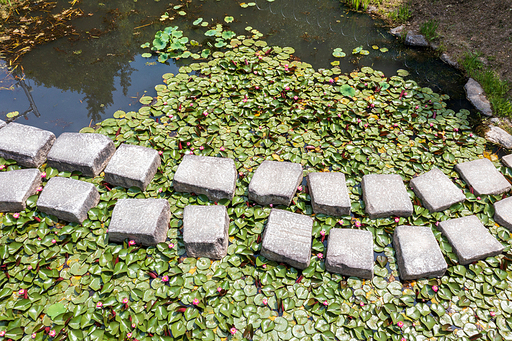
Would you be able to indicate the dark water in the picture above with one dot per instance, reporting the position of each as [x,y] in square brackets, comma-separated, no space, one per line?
[76,82]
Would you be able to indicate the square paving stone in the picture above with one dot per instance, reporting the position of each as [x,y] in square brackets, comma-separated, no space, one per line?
[15,188]
[287,238]
[385,195]
[87,153]
[146,221]
[205,231]
[275,182]
[25,144]
[507,160]
[483,177]
[470,239]
[503,212]
[329,194]
[436,191]
[417,252]
[350,252]
[214,177]
[68,199]
[132,166]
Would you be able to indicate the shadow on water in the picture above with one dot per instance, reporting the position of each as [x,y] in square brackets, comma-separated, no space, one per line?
[79,80]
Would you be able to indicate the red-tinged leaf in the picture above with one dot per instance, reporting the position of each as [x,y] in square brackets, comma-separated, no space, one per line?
[180,147]
[181,309]
[152,274]
[37,219]
[299,279]
[310,147]
[475,337]
[248,332]
[118,131]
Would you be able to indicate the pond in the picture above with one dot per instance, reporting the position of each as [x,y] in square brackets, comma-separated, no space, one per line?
[80,80]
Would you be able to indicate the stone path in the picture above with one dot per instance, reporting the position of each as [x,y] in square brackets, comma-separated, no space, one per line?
[287,236]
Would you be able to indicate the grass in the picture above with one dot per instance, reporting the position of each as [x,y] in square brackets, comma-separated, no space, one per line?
[402,14]
[495,88]
[429,29]
[356,4]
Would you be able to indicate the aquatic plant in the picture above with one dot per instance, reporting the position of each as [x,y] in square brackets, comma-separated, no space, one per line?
[251,103]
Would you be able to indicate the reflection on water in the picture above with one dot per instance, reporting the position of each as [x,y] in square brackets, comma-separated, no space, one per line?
[77,81]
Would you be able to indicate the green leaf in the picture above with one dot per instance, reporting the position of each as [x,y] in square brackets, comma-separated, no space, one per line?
[55,309]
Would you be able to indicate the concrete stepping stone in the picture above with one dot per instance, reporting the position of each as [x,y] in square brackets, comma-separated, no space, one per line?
[146,221]
[483,177]
[205,231]
[2,124]
[329,194]
[275,182]
[287,238]
[385,195]
[26,145]
[350,252]
[132,166]
[418,253]
[436,191]
[86,153]
[507,160]
[214,177]
[503,212]
[68,199]
[470,239]
[15,188]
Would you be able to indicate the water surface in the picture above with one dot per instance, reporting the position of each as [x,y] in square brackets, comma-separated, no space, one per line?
[77,81]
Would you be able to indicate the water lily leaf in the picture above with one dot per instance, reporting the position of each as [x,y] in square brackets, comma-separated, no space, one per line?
[55,309]
[229,19]
[347,90]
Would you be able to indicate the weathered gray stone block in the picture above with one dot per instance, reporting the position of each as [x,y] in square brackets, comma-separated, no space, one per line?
[385,195]
[436,191]
[418,253]
[350,252]
[2,124]
[287,238]
[205,231]
[470,239]
[476,95]
[25,144]
[146,221]
[214,177]
[87,153]
[507,160]
[68,199]
[329,194]
[503,212]
[132,166]
[275,182]
[15,188]
[483,177]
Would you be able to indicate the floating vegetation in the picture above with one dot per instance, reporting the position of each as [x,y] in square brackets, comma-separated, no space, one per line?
[22,30]
[255,102]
